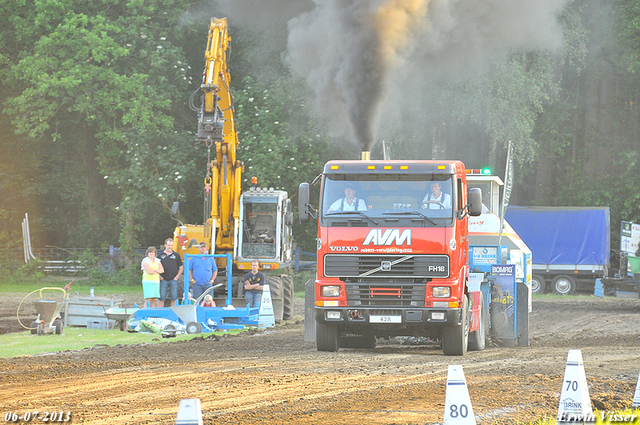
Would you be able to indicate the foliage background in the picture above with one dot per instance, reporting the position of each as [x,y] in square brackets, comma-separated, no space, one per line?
[98,140]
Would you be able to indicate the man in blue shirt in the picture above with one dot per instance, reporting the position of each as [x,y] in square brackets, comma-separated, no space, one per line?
[202,272]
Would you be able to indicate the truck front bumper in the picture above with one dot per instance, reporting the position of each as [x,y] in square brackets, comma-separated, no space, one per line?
[385,318]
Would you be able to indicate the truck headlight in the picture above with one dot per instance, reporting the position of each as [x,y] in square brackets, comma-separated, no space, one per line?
[333,315]
[441,291]
[331,291]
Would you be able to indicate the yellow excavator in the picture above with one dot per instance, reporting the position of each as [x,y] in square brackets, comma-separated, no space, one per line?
[252,225]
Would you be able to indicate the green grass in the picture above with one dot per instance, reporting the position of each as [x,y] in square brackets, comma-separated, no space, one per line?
[82,285]
[73,338]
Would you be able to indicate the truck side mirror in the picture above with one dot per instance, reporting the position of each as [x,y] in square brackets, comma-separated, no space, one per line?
[303,202]
[475,201]
[174,208]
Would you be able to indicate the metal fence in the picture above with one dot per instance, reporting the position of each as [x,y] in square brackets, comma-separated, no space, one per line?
[73,260]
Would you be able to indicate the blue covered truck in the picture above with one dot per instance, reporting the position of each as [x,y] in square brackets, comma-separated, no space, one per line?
[570,245]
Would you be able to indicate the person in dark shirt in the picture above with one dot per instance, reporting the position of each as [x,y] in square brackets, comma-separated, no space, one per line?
[254,282]
[173,268]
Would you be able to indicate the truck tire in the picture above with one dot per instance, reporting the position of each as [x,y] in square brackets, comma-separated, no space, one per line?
[455,338]
[327,337]
[538,285]
[275,286]
[564,285]
[238,288]
[478,339]
[287,297]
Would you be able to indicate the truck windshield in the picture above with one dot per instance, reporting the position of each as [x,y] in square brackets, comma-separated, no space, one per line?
[259,233]
[410,200]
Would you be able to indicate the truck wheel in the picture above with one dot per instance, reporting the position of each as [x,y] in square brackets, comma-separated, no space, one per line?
[327,337]
[564,285]
[275,286]
[538,285]
[238,289]
[287,297]
[478,339]
[455,338]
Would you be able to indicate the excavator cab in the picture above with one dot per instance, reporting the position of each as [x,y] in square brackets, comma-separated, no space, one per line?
[265,226]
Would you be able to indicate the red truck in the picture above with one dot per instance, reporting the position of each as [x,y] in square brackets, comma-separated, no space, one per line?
[393,254]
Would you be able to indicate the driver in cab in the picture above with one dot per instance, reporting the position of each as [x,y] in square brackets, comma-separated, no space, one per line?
[437,199]
[349,202]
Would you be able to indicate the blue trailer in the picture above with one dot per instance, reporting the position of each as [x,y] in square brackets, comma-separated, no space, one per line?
[570,245]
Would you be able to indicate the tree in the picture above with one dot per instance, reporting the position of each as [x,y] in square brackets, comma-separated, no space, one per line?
[100,78]
[280,141]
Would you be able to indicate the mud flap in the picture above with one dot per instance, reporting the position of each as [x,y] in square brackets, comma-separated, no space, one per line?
[474,298]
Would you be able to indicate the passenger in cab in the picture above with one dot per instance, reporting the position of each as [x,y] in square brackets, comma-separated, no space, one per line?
[349,202]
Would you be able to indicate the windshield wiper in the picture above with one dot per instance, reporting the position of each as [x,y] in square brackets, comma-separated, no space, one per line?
[353,212]
[411,213]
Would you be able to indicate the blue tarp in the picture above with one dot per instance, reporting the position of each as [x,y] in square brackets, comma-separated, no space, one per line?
[563,235]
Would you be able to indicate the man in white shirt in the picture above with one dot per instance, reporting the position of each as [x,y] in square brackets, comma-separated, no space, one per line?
[349,202]
[437,199]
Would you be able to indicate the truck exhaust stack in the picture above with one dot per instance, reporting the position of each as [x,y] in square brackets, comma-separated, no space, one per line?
[365,156]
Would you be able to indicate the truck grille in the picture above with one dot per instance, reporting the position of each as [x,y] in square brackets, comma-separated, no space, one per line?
[386,266]
[386,295]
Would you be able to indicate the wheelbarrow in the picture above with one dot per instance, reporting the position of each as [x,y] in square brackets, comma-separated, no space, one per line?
[188,314]
[120,315]
[49,319]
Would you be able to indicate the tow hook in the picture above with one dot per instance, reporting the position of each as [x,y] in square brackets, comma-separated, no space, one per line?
[356,315]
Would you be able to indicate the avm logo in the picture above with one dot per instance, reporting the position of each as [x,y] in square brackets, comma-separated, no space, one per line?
[388,237]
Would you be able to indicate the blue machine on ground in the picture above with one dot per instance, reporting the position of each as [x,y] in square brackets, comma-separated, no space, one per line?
[199,319]
[500,263]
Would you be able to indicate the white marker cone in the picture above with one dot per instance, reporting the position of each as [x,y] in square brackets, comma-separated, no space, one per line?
[457,404]
[636,395]
[575,404]
[266,318]
[189,412]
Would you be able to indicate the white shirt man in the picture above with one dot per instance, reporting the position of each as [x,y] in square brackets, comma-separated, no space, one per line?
[437,199]
[349,202]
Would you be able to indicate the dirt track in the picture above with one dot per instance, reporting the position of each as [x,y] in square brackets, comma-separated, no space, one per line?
[274,377]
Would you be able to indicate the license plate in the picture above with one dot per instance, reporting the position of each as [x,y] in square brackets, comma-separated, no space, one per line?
[385,319]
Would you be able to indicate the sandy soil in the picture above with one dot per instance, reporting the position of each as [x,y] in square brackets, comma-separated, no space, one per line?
[274,377]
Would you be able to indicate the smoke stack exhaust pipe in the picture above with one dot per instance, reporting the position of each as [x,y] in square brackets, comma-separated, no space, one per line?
[365,156]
